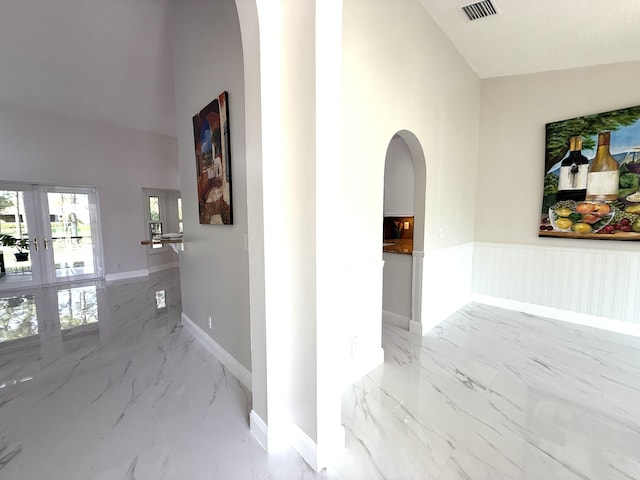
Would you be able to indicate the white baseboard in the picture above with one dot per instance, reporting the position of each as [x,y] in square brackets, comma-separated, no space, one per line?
[224,357]
[318,457]
[111,277]
[602,323]
[259,429]
[301,442]
[164,266]
[398,320]
[415,327]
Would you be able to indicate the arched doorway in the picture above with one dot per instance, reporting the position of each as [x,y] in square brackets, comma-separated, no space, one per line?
[404,207]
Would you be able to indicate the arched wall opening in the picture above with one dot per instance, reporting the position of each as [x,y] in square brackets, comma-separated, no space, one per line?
[404,212]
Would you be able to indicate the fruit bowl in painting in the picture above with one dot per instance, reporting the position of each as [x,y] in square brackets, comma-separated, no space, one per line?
[583,217]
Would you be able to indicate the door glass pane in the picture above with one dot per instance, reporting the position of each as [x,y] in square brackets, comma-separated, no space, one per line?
[155,226]
[71,236]
[154,209]
[15,261]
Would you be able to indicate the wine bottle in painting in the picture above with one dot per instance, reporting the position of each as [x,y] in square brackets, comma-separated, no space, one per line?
[572,184]
[604,172]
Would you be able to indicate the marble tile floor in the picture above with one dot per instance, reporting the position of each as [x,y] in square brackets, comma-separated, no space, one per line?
[111,386]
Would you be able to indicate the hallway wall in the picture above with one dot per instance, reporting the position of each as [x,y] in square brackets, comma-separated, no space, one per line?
[207,58]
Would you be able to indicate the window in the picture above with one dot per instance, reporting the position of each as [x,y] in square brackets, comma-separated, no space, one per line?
[163,214]
[155,225]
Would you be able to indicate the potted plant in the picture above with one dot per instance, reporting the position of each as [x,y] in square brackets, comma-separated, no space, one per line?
[21,244]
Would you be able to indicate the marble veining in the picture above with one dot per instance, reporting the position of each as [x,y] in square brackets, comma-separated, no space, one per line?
[488,394]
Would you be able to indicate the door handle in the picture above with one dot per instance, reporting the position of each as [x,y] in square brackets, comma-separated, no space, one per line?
[46,244]
[35,244]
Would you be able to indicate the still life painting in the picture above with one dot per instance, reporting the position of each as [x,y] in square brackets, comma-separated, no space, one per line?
[592,177]
[213,162]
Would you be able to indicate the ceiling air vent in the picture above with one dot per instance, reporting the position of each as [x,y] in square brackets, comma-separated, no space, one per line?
[479,10]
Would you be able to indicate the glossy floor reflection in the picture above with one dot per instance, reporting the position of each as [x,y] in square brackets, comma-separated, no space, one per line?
[106,384]
[494,394]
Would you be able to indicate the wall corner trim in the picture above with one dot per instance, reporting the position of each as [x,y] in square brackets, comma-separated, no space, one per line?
[317,456]
[415,327]
[259,429]
[392,318]
[303,444]
[224,357]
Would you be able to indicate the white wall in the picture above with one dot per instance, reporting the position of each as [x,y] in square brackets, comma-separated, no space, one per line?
[398,179]
[207,58]
[401,72]
[396,288]
[49,149]
[510,179]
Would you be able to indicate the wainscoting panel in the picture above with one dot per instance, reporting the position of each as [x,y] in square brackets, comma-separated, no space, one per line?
[446,285]
[592,282]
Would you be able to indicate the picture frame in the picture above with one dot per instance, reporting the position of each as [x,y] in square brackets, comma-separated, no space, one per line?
[213,162]
[592,177]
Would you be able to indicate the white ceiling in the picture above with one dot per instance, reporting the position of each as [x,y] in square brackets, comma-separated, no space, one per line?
[530,36]
[110,60]
[105,60]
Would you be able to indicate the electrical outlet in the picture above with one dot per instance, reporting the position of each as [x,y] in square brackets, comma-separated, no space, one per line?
[209,320]
[354,346]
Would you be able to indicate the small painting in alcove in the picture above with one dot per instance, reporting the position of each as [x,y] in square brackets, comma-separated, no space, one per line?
[213,162]
[398,235]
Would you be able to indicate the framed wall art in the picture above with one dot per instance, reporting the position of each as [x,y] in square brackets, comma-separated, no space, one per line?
[592,177]
[213,162]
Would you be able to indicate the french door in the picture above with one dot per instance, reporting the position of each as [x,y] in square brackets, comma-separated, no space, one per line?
[62,230]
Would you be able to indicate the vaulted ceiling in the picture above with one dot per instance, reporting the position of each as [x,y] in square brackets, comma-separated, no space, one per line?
[110,60]
[528,36]
[105,60]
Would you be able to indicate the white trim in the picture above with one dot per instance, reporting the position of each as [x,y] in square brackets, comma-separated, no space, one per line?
[415,327]
[397,214]
[396,319]
[448,249]
[303,444]
[224,357]
[289,435]
[318,457]
[164,266]
[259,429]
[112,277]
[417,266]
[557,248]
[601,323]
